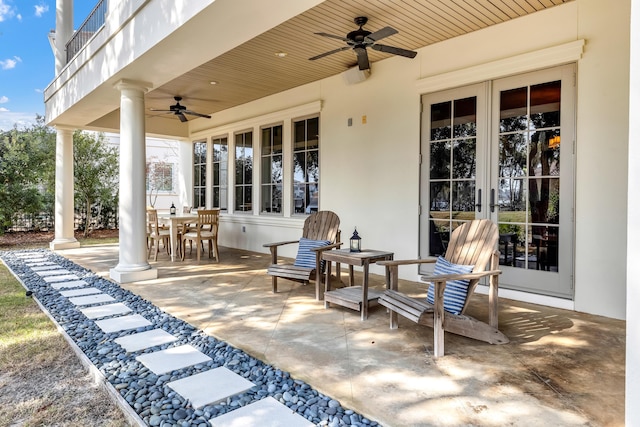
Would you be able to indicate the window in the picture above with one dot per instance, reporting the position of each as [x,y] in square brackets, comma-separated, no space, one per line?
[220,163]
[306,171]
[199,174]
[244,171]
[271,170]
[159,177]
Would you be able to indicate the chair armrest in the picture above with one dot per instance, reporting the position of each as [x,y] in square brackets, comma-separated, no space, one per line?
[465,276]
[397,262]
[268,245]
[326,248]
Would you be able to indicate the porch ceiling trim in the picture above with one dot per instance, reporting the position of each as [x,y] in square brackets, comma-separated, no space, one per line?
[543,58]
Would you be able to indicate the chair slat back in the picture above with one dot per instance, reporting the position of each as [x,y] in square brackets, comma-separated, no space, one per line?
[322,225]
[473,243]
[208,219]
[152,220]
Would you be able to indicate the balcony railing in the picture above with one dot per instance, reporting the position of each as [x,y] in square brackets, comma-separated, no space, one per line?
[89,27]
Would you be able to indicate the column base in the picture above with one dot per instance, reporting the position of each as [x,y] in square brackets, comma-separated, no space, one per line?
[133,276]
[58,244]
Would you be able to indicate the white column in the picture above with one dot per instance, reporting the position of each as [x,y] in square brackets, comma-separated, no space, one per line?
[632,377]
[132,265]
[64,31]
[64,216]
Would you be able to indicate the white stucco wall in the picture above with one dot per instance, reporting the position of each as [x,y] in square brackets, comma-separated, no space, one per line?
[370,172]
[632,391]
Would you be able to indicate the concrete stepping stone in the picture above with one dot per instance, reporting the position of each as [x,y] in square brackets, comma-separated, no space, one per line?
[163,361]
[79,292]
[29,255]
[91,299]
[142,340]
[49,266]
[210,387]
[52,272]
[122,323]
[40,264]
[61,278]
[267,412]
[105,310]
[72,284]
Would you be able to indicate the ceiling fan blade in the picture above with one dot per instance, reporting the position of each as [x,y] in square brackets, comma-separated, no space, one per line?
[344,39]
[394,50]
[181,116]
[363,58]
[331,52]
[162,111]
[380,34]
[193,113]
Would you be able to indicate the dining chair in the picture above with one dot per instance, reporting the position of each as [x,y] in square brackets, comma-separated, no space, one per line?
[205,230]
[156,234]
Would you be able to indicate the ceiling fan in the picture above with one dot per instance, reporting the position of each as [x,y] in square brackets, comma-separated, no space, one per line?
[180,110]
[359,40]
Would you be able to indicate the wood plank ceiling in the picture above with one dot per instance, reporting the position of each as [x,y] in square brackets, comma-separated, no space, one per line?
[253,70]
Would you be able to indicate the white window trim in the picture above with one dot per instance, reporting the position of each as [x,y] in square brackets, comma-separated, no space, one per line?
[530,61]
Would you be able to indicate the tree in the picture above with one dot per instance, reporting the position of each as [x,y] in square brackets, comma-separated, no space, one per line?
[26,172]
[95,176]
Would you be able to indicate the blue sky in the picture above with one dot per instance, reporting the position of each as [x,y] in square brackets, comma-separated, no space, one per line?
[27,63]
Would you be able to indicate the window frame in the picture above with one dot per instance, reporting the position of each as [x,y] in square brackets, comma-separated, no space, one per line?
[247,188]
[199,201]
[223,174]
[270,158]
[307,199]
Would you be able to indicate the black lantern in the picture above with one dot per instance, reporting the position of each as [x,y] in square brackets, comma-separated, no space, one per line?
[354,242]
[172,209]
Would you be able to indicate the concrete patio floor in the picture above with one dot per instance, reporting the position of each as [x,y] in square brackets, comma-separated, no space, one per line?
[561,368]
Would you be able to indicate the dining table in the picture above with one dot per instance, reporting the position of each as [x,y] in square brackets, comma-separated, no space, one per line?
[175,221]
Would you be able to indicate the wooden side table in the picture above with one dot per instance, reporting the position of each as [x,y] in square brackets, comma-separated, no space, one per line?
[353,297]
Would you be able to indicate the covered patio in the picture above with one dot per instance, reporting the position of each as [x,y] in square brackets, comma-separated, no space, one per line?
[561,367]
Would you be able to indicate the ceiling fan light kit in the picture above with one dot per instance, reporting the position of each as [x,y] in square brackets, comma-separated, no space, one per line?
[359,40]
[355,75]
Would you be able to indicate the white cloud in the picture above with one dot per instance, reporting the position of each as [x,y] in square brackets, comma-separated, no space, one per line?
[6,11]
[9,119]
[10,63]
[41,9]
[3,99]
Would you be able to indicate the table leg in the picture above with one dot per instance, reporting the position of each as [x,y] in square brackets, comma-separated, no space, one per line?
[173,229]
[350,275]
[327,283]
[365,291]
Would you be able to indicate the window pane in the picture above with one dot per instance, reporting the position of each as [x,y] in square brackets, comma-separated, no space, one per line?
[313,133]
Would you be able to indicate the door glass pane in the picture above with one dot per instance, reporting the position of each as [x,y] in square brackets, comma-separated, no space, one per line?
[464,117]
[512,155]
[464,159]
[513,110]
[440,160]
[543,253]
[463,203]
[440,200]
[545,105]
[511,200]
[544,199]
[441,121]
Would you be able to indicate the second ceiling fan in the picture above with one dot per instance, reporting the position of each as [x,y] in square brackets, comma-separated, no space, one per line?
[359,40]
[180,110]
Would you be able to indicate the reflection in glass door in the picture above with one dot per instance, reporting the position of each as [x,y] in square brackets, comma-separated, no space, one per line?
[531,193]
[453,127]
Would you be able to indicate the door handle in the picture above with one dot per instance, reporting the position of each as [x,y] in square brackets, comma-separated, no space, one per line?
[479,204]
[492,202]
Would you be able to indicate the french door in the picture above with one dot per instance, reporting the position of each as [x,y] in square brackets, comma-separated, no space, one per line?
[493,150]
